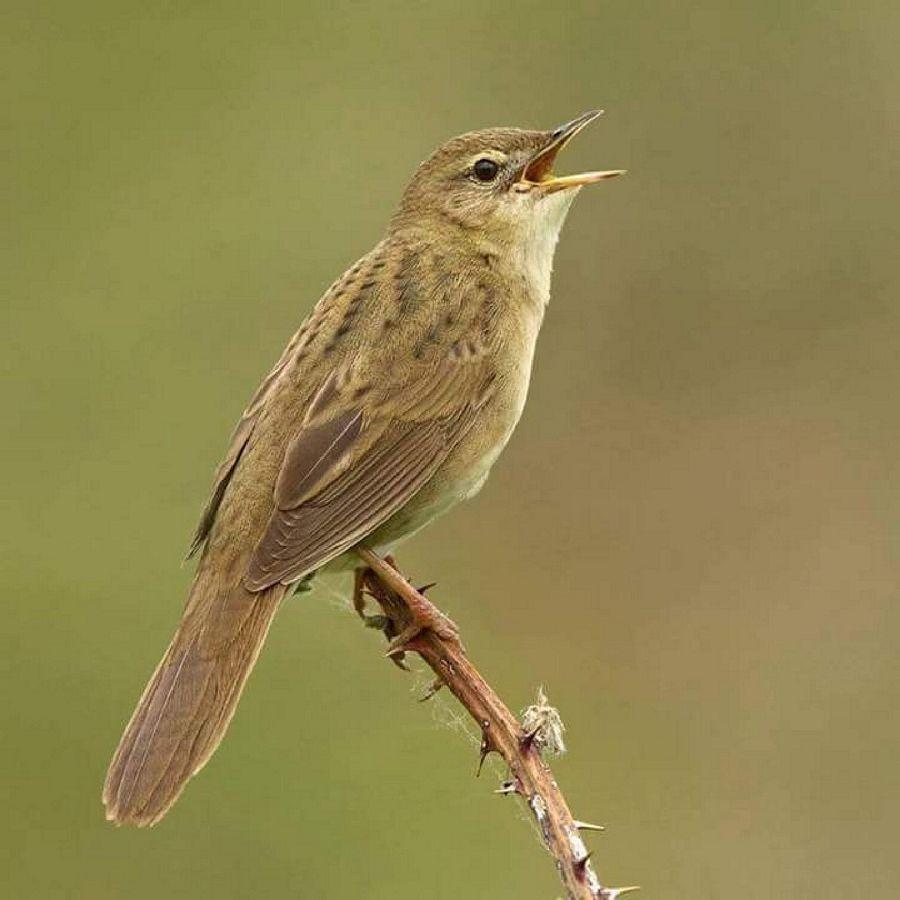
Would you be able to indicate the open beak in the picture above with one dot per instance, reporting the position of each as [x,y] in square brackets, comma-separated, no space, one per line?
[539,171]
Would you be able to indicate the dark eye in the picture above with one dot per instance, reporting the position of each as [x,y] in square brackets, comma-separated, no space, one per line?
[485,169]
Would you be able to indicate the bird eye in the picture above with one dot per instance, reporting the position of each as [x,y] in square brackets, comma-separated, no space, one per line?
[485,169]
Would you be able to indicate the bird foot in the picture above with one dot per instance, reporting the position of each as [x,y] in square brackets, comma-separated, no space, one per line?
[360,592]
[387,628]
[424,615]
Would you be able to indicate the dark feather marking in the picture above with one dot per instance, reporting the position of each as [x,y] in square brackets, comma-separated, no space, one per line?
[354,307]
[404,282]
[327,394]
[312,454]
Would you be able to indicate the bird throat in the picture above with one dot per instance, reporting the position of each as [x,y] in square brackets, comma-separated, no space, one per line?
[536,245]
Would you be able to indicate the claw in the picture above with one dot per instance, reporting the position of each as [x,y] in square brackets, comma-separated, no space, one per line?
[399,662]
[404,641]
[359,592]
[386,627]
[397,655]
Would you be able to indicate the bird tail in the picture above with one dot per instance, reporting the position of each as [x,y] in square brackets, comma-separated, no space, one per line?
[185,709]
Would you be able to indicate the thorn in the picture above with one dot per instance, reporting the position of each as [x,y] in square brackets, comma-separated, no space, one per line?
[580,864]
[426,587]
[508,787]
[613,893]
[486,746]
[397,660]
[435,686]
[527,739]
[397,649]
[396,655]
[483,755]
[587,826]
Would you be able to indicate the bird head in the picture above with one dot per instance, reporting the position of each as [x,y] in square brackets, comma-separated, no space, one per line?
[499,183]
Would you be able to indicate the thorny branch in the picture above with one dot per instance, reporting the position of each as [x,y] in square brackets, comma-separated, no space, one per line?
[529,776]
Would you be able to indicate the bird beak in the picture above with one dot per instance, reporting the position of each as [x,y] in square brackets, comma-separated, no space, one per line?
[538,173]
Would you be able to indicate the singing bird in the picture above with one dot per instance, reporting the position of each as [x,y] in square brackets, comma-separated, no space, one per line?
[388,406]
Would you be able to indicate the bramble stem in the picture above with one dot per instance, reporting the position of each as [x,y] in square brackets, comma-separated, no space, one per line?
[530,776]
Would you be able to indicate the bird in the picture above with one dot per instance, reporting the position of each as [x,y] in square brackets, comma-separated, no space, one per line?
[388,406]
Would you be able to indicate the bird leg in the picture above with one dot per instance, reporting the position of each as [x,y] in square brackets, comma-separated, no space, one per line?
[359,591]
[383,623]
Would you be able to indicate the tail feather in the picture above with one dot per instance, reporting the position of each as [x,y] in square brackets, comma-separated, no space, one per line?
[188,703]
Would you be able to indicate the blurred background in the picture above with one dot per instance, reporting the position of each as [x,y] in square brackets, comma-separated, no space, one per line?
[691,541]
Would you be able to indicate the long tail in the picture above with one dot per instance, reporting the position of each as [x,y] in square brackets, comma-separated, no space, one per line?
[187,705]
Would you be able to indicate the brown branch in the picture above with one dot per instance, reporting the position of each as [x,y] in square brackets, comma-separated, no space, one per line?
[530,776]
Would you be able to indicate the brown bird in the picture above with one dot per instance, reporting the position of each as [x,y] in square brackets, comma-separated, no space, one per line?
[389,405]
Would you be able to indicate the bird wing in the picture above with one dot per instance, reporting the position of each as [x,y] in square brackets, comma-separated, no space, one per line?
[240,437]
[361,454]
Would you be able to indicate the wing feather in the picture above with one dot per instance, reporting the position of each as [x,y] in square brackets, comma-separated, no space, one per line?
[301,539]
[356,484]
[313,456]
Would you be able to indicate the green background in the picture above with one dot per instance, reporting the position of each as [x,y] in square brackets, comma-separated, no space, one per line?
[691,541]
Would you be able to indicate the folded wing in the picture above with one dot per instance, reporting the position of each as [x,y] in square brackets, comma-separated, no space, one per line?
[355,464]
